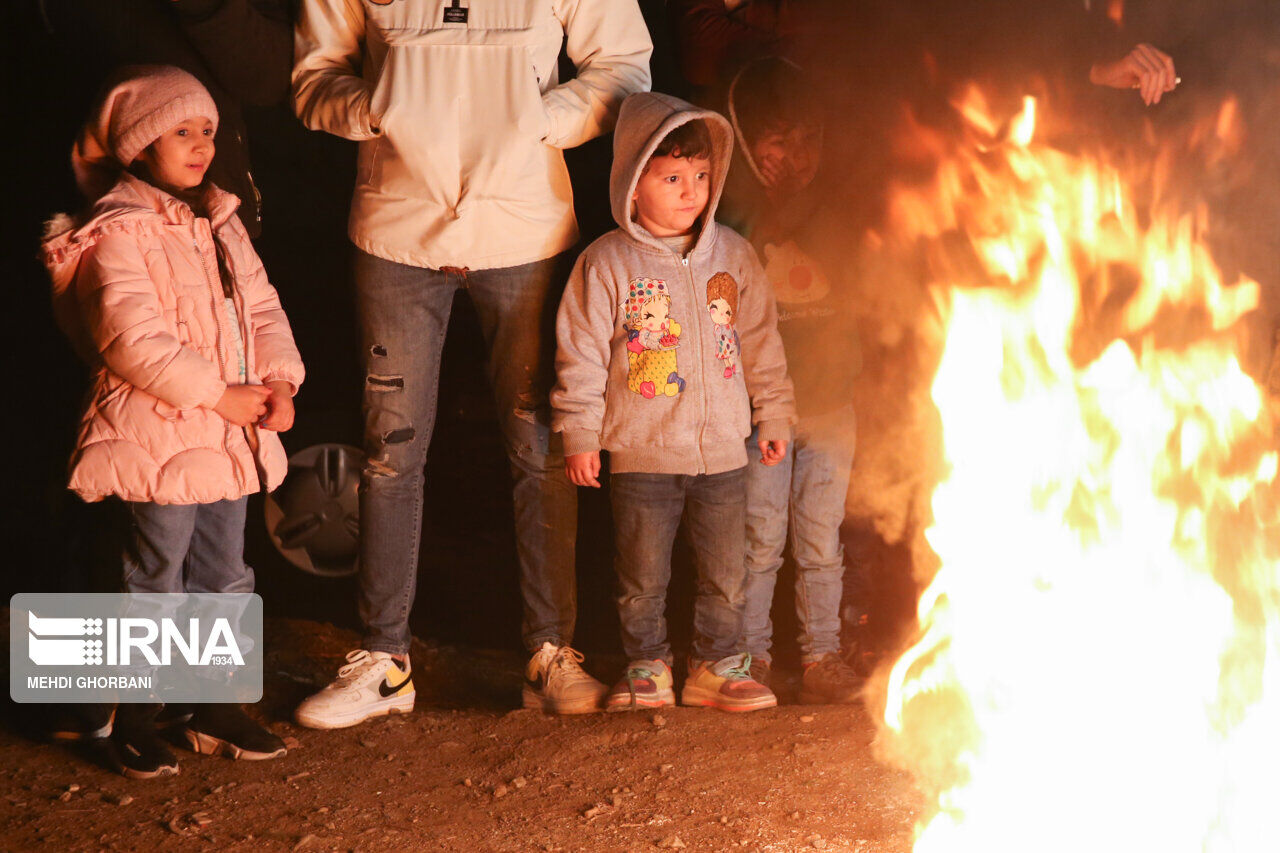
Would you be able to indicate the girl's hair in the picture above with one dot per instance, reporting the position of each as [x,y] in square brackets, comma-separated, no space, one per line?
[689,140]
[723,286]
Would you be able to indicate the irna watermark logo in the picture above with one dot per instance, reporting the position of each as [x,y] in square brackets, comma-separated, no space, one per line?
[136,648]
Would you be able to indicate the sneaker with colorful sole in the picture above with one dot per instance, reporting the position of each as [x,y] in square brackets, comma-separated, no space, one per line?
[725,684]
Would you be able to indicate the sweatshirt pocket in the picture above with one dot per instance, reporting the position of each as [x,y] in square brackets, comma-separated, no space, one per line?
[415,107]
[460,107]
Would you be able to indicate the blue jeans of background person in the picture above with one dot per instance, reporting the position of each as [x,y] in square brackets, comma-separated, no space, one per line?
[804,494]
[646,515]
[187,548]
[404,313]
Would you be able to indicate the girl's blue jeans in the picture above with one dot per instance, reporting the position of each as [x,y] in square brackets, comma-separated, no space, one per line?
[187,548]
[404,314]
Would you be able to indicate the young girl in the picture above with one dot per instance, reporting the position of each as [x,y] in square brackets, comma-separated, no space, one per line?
[195,368]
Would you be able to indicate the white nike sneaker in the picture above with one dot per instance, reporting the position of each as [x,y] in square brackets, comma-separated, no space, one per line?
[555,682]
[371,684]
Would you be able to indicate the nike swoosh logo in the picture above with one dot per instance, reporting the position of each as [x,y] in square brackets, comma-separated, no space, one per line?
[386,689]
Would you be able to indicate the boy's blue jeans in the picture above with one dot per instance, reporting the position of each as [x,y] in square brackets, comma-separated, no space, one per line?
[804,493]
[404,314]
[187,548]
[646,515]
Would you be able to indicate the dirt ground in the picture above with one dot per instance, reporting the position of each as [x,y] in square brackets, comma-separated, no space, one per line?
[466,772]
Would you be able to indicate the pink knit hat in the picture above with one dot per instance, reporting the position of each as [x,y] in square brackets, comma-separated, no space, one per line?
[144,102]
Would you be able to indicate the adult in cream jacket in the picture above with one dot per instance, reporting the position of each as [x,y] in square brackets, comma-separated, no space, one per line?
[461,182]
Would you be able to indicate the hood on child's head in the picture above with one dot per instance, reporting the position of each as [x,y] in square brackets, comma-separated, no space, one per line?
[643,122]
[140,103]
[768,93]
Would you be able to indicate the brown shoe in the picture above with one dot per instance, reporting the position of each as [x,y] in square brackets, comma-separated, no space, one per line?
[830,681]
[762,672]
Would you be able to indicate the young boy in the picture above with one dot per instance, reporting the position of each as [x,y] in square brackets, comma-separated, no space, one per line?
[776,202]
[644,345]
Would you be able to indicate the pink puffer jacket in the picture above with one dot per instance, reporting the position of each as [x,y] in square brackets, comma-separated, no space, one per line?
[137,290]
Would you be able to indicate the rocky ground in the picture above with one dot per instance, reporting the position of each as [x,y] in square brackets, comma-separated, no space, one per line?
[465,772]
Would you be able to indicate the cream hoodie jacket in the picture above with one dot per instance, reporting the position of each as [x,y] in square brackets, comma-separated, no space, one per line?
[644,368]
[460,116]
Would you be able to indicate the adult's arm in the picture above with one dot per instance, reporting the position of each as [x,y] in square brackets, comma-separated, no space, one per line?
[710,35]
[247,45]
[328,92]
[610,46]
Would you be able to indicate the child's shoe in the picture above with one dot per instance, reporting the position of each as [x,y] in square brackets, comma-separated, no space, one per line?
[645,684]
[225,729]
[371,684]
[726,684]
[173,715]
[81,722]
[134,749]
[761,672]
[830,681]
[555,682]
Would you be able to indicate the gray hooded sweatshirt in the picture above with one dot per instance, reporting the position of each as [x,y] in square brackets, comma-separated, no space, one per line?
[646,369]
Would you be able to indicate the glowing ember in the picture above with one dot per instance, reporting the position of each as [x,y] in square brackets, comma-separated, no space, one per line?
[1097,668]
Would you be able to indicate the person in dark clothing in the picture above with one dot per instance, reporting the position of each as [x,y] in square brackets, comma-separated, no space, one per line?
[714,37]
[777,201]
[241,50]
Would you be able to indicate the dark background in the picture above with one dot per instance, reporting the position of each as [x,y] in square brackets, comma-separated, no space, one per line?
[872,57]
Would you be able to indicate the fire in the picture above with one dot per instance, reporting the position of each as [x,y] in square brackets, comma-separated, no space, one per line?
[1097,661]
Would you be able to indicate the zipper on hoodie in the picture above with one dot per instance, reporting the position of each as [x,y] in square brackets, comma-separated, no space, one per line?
[702,379]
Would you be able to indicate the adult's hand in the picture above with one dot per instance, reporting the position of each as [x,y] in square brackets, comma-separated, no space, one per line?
[1145,68]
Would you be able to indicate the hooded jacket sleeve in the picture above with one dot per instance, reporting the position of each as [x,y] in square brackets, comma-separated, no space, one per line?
[275,355]
[609,44]
[584,333]
[123,314]
[764,361]
[328,93]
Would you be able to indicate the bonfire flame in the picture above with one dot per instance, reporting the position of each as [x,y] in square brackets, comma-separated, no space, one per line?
[1097,662]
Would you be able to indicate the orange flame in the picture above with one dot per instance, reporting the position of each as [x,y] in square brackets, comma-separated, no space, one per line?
[1097,666]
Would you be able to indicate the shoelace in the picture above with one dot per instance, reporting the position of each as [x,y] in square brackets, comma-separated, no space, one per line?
[567,660]
[634,674]
[355,660]
[741,670]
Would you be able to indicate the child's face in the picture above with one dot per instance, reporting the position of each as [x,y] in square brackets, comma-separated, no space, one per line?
[181,156]
[788,156]
[721,313]
[672,193]
[653,315]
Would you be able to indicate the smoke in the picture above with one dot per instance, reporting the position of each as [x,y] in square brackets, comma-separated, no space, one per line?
[889,70]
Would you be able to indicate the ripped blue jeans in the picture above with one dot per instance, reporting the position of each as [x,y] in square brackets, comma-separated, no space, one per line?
[404,313]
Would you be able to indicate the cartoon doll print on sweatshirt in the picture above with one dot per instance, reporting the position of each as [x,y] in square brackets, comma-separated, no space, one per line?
[722,305]
[652,339]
